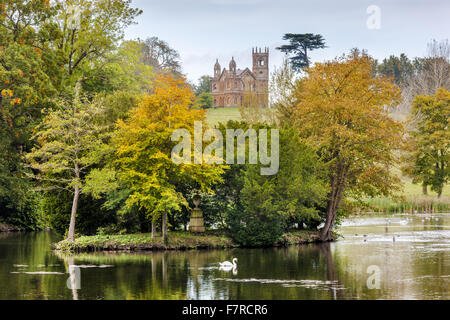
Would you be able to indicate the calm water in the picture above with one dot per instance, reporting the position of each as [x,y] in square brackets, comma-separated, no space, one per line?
[366,264]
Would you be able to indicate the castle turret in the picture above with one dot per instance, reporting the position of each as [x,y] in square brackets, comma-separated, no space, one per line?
[217,69]
[232,65]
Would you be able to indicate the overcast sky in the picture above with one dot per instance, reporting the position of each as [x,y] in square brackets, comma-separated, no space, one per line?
[203,30]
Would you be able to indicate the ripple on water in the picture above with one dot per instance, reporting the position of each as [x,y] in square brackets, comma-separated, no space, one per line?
[310,284]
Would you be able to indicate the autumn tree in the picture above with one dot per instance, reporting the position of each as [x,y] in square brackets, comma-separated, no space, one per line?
[144,151]
[69,143]
[341,113]
[430,156]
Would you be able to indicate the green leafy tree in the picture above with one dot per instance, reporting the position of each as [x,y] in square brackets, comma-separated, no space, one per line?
[400,68]
[270,205]
[70,143]
[204,101]
[430,160]
[87,32]
[204,85]
[121,70]
[298,47]
[25,84]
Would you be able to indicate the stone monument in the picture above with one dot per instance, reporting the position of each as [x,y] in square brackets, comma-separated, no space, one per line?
[196,224]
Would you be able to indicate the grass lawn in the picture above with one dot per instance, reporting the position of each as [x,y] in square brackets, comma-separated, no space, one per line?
[214,116]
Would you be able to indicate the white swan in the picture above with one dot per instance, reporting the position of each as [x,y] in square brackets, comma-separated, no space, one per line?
[228,264]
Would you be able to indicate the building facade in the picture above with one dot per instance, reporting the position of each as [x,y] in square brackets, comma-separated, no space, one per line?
[229,87]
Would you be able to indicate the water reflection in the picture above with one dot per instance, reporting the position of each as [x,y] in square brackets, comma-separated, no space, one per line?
[366,264]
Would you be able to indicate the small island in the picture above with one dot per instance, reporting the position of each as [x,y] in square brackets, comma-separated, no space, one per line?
[176,241]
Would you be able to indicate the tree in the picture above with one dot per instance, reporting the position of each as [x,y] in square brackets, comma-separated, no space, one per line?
[298,46]
[341,113]
[433,71]
[121,70]
[254,108]
[271,205]
[400,68]
[204,85]
[164,60]
[87,32]
[283,99]
[25,84]
[144,150]
[431,138]
[70,142]
[429,73]
[204,101]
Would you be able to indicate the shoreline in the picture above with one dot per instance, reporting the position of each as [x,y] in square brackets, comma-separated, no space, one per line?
[176,241]
[6,228]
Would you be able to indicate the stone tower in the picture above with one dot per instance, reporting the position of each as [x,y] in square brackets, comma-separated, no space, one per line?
[261,63]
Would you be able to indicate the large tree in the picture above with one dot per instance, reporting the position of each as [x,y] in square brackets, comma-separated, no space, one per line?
[341,113]
[87,31]
[144,151]
[400,68]
[164,59]
[298,47]
[26,82]
[69,143]
[430,159]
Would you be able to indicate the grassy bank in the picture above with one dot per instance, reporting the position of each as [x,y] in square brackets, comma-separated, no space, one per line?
[176,241]
[413,201]
[214,116]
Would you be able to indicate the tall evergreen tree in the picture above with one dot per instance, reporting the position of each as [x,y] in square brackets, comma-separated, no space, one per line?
[298,47]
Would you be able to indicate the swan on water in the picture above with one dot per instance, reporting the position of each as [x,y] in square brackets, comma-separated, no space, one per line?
[228,264]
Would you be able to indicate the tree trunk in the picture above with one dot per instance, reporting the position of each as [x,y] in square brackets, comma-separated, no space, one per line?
[164,228]
[76,196]
[153,229]
[425,189]
[338,184]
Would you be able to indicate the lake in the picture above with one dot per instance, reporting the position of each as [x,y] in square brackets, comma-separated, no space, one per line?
[379,257]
